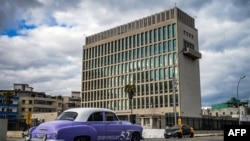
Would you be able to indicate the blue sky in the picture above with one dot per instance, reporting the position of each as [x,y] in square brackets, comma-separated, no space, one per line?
[41,41]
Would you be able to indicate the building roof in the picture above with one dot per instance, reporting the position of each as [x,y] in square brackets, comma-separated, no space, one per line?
[233,102]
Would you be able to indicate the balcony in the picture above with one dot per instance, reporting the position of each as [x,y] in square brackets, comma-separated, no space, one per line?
[192,53]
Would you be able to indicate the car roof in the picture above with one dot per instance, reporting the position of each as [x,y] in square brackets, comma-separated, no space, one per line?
[84,113]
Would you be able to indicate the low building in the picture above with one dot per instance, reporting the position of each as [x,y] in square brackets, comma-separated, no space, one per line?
[72,101]
[9,111]
[229,109]
[35,102]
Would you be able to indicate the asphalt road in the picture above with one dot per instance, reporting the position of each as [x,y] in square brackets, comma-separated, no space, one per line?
[207,138]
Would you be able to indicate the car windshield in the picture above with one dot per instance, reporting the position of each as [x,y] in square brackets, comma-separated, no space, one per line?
[174,128]
[67,116]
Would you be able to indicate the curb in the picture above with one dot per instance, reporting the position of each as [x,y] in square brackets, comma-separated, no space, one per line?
[204,135]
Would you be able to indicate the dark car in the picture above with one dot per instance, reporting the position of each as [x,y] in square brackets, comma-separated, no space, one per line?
[179,131]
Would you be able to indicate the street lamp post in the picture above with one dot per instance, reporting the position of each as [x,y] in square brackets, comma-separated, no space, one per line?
[174,84]
[174,106]
[242,77]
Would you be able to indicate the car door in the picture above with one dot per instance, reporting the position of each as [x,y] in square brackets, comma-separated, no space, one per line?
[96,120]
[114,127]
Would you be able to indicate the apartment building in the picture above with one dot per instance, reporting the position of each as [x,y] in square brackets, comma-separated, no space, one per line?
[9,111]
[72,101]
[159,54]
[35,102]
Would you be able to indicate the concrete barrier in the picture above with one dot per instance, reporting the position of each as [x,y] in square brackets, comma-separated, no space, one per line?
[153,133]
[14,134]
[3,129]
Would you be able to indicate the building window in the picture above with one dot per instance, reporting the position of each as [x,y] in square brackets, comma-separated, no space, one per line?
[156,101]
[165,86]
[146,122]
[142,90]
[155,35]
[159,34]
[138,103]
[164,32]
[156,88]
[169,31]
[174,30]
[166,101]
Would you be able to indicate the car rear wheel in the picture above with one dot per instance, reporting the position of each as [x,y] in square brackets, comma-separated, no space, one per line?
[135,137]
[82,139]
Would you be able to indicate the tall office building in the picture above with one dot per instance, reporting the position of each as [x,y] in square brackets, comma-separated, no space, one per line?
[159,54]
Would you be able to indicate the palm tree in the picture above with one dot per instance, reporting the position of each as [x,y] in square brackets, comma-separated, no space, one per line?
[7,98]
[130,89]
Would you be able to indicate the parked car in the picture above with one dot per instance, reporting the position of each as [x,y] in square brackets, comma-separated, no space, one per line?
[25,133]
[86,124]
[179,131]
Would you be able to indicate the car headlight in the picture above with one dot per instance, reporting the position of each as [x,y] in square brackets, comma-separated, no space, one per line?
[52,136]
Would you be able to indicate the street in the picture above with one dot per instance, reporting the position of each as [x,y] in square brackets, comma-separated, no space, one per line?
[208,138]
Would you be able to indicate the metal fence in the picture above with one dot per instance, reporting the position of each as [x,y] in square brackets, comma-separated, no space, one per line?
[206,123]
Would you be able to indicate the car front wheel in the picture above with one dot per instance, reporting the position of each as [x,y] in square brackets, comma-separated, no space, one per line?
[135,137]
[192,135]
[179,135]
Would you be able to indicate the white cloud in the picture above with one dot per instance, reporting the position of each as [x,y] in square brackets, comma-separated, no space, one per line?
[48,57]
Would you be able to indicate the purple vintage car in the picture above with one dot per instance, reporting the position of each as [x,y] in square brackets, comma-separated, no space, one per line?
[86,124]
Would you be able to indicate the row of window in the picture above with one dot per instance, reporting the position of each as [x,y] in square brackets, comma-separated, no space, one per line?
[38,109]
[160,17]
[141,90]
[144,38]
[138,103]
[139,53]
[137,78]
[161,66]
[41,102]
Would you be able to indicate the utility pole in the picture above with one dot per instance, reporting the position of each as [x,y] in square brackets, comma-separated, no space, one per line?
[242,77]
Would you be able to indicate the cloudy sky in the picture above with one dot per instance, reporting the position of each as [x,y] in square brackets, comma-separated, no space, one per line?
[41,41]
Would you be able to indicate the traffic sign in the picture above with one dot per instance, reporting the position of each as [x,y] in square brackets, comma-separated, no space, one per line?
[28,118]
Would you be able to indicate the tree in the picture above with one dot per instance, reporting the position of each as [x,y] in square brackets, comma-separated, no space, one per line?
[130,89]
[7,98]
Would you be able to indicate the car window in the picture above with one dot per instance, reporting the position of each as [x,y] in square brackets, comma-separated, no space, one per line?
[98,116]
[67,116]
[110,116]
[175,128]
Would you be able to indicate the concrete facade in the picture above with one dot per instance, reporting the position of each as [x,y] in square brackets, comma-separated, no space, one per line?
[159,54]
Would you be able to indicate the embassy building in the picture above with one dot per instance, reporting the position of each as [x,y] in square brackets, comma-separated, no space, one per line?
[159,54]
